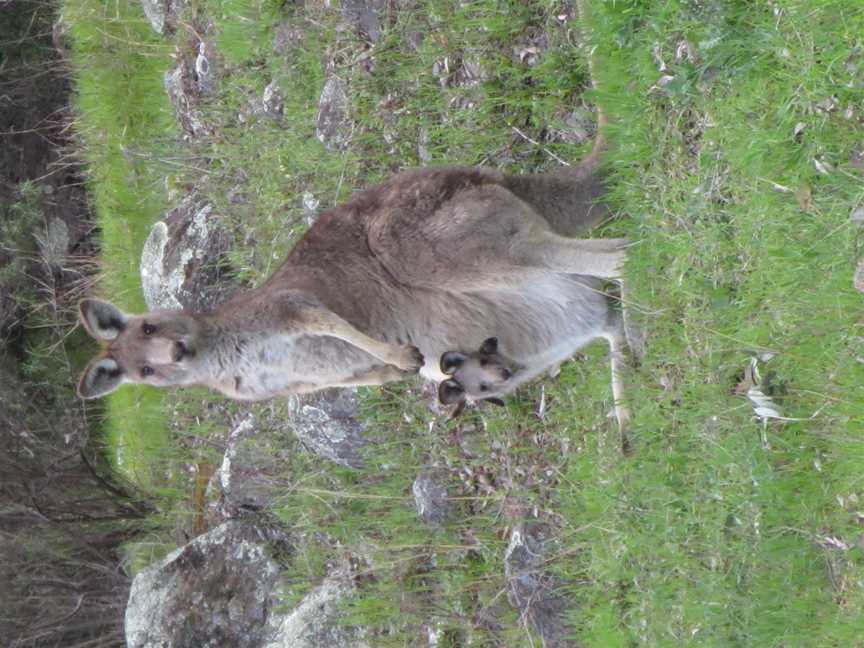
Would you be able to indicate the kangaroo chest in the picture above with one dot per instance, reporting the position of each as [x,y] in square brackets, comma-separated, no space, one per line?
[269,365]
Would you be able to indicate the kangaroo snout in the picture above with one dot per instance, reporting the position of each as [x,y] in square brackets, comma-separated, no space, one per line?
[181,351]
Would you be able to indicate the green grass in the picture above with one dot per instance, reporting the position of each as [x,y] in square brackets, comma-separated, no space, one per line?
[708,536]
[714,530]
[124,121]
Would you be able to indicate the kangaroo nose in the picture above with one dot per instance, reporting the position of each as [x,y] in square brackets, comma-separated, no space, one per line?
[180,351]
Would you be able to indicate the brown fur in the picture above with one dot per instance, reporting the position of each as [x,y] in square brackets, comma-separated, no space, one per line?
[432,260]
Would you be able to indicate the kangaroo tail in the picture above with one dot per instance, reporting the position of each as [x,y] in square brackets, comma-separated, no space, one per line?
[600,139]
[570,199]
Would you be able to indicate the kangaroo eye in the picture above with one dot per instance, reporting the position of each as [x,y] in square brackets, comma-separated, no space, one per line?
[484,388]
[148,329]
[146,370]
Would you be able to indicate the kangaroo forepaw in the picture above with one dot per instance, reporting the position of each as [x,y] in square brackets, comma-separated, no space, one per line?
[410,359]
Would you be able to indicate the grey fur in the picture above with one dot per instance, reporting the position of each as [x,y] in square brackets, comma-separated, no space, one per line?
[435,259]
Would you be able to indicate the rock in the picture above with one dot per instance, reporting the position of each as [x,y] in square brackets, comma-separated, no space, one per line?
[247,479]
[310,208]
[531,589]
[193,77]
[315,622]
[273,100]
[286,37]
[208,65]
[163,14]
[218,590]
[269,105]
[363,16]
[575,127]
[181,259]
[333,128]
[430,498]
[327,422]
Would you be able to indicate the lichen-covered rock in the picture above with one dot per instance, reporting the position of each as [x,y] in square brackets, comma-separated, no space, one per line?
[314,623]
[163,14]
[269,105]
[196,75]
[333,128]
[248,479]
[273,101]
[327,423]
[219,590]
[310,208]
[430,498]
[532,589]
[207,64]
[364,16]
[181,262]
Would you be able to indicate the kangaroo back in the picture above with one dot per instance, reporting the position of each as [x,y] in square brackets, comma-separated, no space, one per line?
[571,200]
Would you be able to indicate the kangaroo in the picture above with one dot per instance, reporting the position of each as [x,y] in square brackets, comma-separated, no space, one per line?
[384,284]
[485,374]
[475,374]
[404,271]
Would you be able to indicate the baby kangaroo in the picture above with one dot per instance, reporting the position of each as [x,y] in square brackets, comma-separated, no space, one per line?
[485,374]
[473,375]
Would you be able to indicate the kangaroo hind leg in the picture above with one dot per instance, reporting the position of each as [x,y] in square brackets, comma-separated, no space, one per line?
[619,358]
[594,257]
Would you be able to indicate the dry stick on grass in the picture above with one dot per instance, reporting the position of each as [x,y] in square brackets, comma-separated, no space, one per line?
[538,144]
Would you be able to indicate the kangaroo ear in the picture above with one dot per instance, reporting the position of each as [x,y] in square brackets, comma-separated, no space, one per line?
[450,391]
[489,346]
[102,376]
[102,319]
[451,361]
[460,407]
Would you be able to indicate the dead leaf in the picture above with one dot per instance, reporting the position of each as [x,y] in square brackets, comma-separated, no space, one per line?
[827,105]
[685,52]
[823,167]
[747,382]
[527,55]
[804,195]
[657,53]
[857,216]
[798,131]
[541,406]
[833,542]
[763,405]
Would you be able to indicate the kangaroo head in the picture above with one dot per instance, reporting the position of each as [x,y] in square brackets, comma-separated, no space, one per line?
[157,348]
[474,374]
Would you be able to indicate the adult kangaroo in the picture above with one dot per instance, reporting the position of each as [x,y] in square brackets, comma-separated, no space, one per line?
[432,260]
